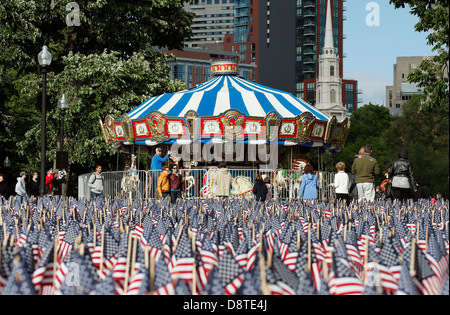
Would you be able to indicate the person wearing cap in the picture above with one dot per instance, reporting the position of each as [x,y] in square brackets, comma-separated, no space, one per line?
[158,160]
[21,189]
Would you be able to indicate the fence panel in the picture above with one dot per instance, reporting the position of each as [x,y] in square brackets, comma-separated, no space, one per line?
[200,183]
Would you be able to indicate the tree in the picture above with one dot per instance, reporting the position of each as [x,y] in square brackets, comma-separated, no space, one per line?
[425,136]
[432,74]
[106,65]
[367,126]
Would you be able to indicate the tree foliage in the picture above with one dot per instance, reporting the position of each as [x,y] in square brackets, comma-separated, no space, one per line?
[432,74]
[367,126]
[105,65]
[425,135]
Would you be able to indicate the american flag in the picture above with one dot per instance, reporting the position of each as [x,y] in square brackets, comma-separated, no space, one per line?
[163,279]
[406,285]
[389,266]
[182,262]
[19,282]
[230,272]
[342,280]
[67,241]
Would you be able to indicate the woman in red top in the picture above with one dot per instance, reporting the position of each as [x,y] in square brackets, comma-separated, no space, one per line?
[48,182]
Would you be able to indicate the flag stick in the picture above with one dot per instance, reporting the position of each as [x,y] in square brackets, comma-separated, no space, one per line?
[366,258]
[133,257]
[308,268]
[102,249]
[194,278]
[127,266]
[412,272]
[262,265]
[152,273]
[55,259]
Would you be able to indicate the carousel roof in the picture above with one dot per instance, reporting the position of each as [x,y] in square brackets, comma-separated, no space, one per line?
[223,93]
[226,108]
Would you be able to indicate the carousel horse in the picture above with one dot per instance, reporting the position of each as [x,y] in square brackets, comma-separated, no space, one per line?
[241,187]
[130,181]
[189,180]
[210,185]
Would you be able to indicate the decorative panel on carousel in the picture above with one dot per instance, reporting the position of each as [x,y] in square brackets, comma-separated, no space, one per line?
[119,131]
[253,127]
[232,122]
[318,131]
[141,130]
[175,128]
[288,129]
[156,123]
[211,127]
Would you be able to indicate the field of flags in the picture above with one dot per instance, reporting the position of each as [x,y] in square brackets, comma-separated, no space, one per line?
[223,247]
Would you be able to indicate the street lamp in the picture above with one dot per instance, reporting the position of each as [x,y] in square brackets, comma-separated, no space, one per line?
[62,105]
[7,162]
[44,59]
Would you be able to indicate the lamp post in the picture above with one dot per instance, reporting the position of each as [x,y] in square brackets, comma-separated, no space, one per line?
[62,105]
[7,162]
[44,59]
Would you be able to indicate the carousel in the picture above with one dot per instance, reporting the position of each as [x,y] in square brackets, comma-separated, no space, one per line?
[227,118]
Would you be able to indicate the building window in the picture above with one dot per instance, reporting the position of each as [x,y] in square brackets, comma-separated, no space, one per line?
[331,71]
[333,96]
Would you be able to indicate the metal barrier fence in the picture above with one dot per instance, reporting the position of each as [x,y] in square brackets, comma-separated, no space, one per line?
[200,183]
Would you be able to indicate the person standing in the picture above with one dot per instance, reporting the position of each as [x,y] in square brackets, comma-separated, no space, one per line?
[176,184]
[49,182]
[34,185]
[95,183]
[58,179]
[21,188]
[366,169]
[341,183]
[259,189]
[164,183]
[156,167]
[402,176]
[223,181]
[3,187]
[269,188]
[309,185]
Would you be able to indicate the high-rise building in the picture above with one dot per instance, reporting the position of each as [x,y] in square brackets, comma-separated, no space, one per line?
[402,90]
[285,39]
[214,19]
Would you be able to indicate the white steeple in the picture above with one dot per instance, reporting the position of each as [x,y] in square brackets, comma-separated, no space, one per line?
[329,83]
[329,44]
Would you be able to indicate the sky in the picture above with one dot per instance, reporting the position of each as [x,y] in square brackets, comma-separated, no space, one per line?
[373,43]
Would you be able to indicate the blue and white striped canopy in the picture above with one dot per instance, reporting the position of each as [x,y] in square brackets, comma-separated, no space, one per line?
[225,92]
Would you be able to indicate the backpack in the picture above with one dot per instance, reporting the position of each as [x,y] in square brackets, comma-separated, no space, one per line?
[95,178]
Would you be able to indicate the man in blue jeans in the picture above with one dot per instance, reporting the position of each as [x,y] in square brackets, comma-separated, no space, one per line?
[156,167]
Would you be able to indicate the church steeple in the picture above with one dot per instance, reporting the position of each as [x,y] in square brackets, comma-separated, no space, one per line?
[329,82]
[329,43]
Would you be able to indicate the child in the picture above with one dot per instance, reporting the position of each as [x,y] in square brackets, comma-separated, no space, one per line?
[163,182]
[269,188]
[341,183]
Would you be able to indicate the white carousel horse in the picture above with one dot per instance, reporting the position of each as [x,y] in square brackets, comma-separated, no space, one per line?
[242,187]
[130,181]
[188,178]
